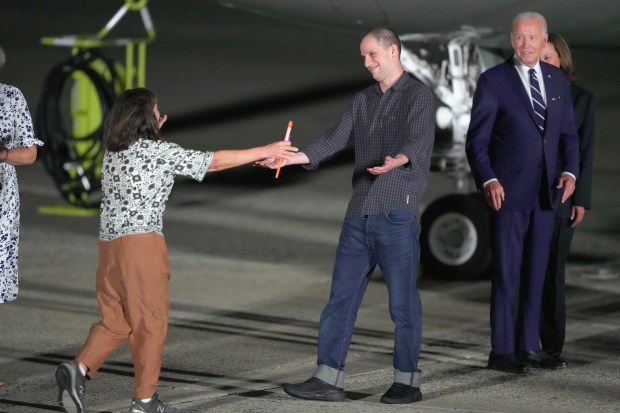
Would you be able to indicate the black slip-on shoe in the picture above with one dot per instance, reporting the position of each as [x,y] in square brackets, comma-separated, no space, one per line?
[315,389]
[400,393]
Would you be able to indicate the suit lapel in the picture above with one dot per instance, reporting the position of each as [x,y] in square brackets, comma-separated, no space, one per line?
[519,89]
[551,92]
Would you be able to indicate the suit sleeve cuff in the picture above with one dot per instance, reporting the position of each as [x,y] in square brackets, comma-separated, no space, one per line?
[571,175]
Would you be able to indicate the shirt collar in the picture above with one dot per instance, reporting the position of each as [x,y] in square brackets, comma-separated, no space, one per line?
[398,85]
[523,68]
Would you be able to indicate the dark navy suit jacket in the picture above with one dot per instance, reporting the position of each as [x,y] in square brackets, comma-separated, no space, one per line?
[503,141]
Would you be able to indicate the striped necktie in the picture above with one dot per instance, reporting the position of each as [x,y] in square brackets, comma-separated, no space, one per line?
[540,110]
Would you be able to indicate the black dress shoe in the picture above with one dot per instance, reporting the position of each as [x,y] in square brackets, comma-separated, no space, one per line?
[540,360]
[399,393]
[315,389]
[559,360]
[507,364]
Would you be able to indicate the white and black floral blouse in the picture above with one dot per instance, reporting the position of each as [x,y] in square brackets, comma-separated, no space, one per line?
[15,132]
[137,182]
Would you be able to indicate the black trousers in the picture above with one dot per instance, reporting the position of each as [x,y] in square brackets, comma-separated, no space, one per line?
[553,310]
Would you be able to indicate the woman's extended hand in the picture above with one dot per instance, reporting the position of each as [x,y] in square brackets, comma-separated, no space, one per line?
[280,150]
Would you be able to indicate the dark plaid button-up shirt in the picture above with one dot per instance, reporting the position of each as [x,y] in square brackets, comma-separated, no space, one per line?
[377,124]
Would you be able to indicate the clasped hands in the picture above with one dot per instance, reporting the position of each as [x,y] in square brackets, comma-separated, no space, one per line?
[275,152]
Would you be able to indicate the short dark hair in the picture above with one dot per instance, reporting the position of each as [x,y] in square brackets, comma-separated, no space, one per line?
[385,36]
[131,118]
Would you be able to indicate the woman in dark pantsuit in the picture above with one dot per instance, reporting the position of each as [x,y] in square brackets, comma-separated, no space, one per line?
[571,213]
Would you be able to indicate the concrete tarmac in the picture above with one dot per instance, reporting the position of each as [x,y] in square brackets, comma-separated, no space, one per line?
[251,257]
[251,274]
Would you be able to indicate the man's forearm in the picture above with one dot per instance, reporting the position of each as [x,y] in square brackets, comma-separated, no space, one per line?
[299,158]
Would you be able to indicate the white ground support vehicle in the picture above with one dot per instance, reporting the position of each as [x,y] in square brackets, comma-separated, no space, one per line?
[454,238]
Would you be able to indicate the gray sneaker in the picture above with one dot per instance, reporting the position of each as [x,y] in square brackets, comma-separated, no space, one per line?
[154,406]
[71,387]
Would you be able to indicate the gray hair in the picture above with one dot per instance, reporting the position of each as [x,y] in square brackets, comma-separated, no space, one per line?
[2,57]
[530,15]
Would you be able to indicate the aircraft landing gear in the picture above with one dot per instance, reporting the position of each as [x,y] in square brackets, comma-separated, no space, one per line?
[454,239]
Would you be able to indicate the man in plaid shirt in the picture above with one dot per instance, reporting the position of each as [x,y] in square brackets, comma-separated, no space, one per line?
[390,125]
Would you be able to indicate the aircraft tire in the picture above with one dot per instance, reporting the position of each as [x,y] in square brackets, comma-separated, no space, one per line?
[454,238]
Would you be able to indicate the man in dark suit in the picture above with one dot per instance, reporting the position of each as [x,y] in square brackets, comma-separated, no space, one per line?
[522,147]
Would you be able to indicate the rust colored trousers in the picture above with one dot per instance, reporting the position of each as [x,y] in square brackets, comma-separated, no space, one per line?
[132,292]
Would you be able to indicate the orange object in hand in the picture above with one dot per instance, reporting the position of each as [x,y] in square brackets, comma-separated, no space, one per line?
[286,138]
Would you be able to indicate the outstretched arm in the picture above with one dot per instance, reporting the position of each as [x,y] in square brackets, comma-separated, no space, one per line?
[230,158]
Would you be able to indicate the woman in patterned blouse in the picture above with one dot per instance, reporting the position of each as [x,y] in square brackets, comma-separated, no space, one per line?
[17,148]
[138,174]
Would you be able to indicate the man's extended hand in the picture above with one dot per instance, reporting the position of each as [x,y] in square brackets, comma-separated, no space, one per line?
[494,194]
[298,158]
[568,183]
[270,163]
[389,163]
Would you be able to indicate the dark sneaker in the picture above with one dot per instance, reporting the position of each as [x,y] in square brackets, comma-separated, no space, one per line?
[315,389]
[71,387]
[153,406]
[400,393]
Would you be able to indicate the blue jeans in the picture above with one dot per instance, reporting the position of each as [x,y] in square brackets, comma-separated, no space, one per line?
[392,242]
